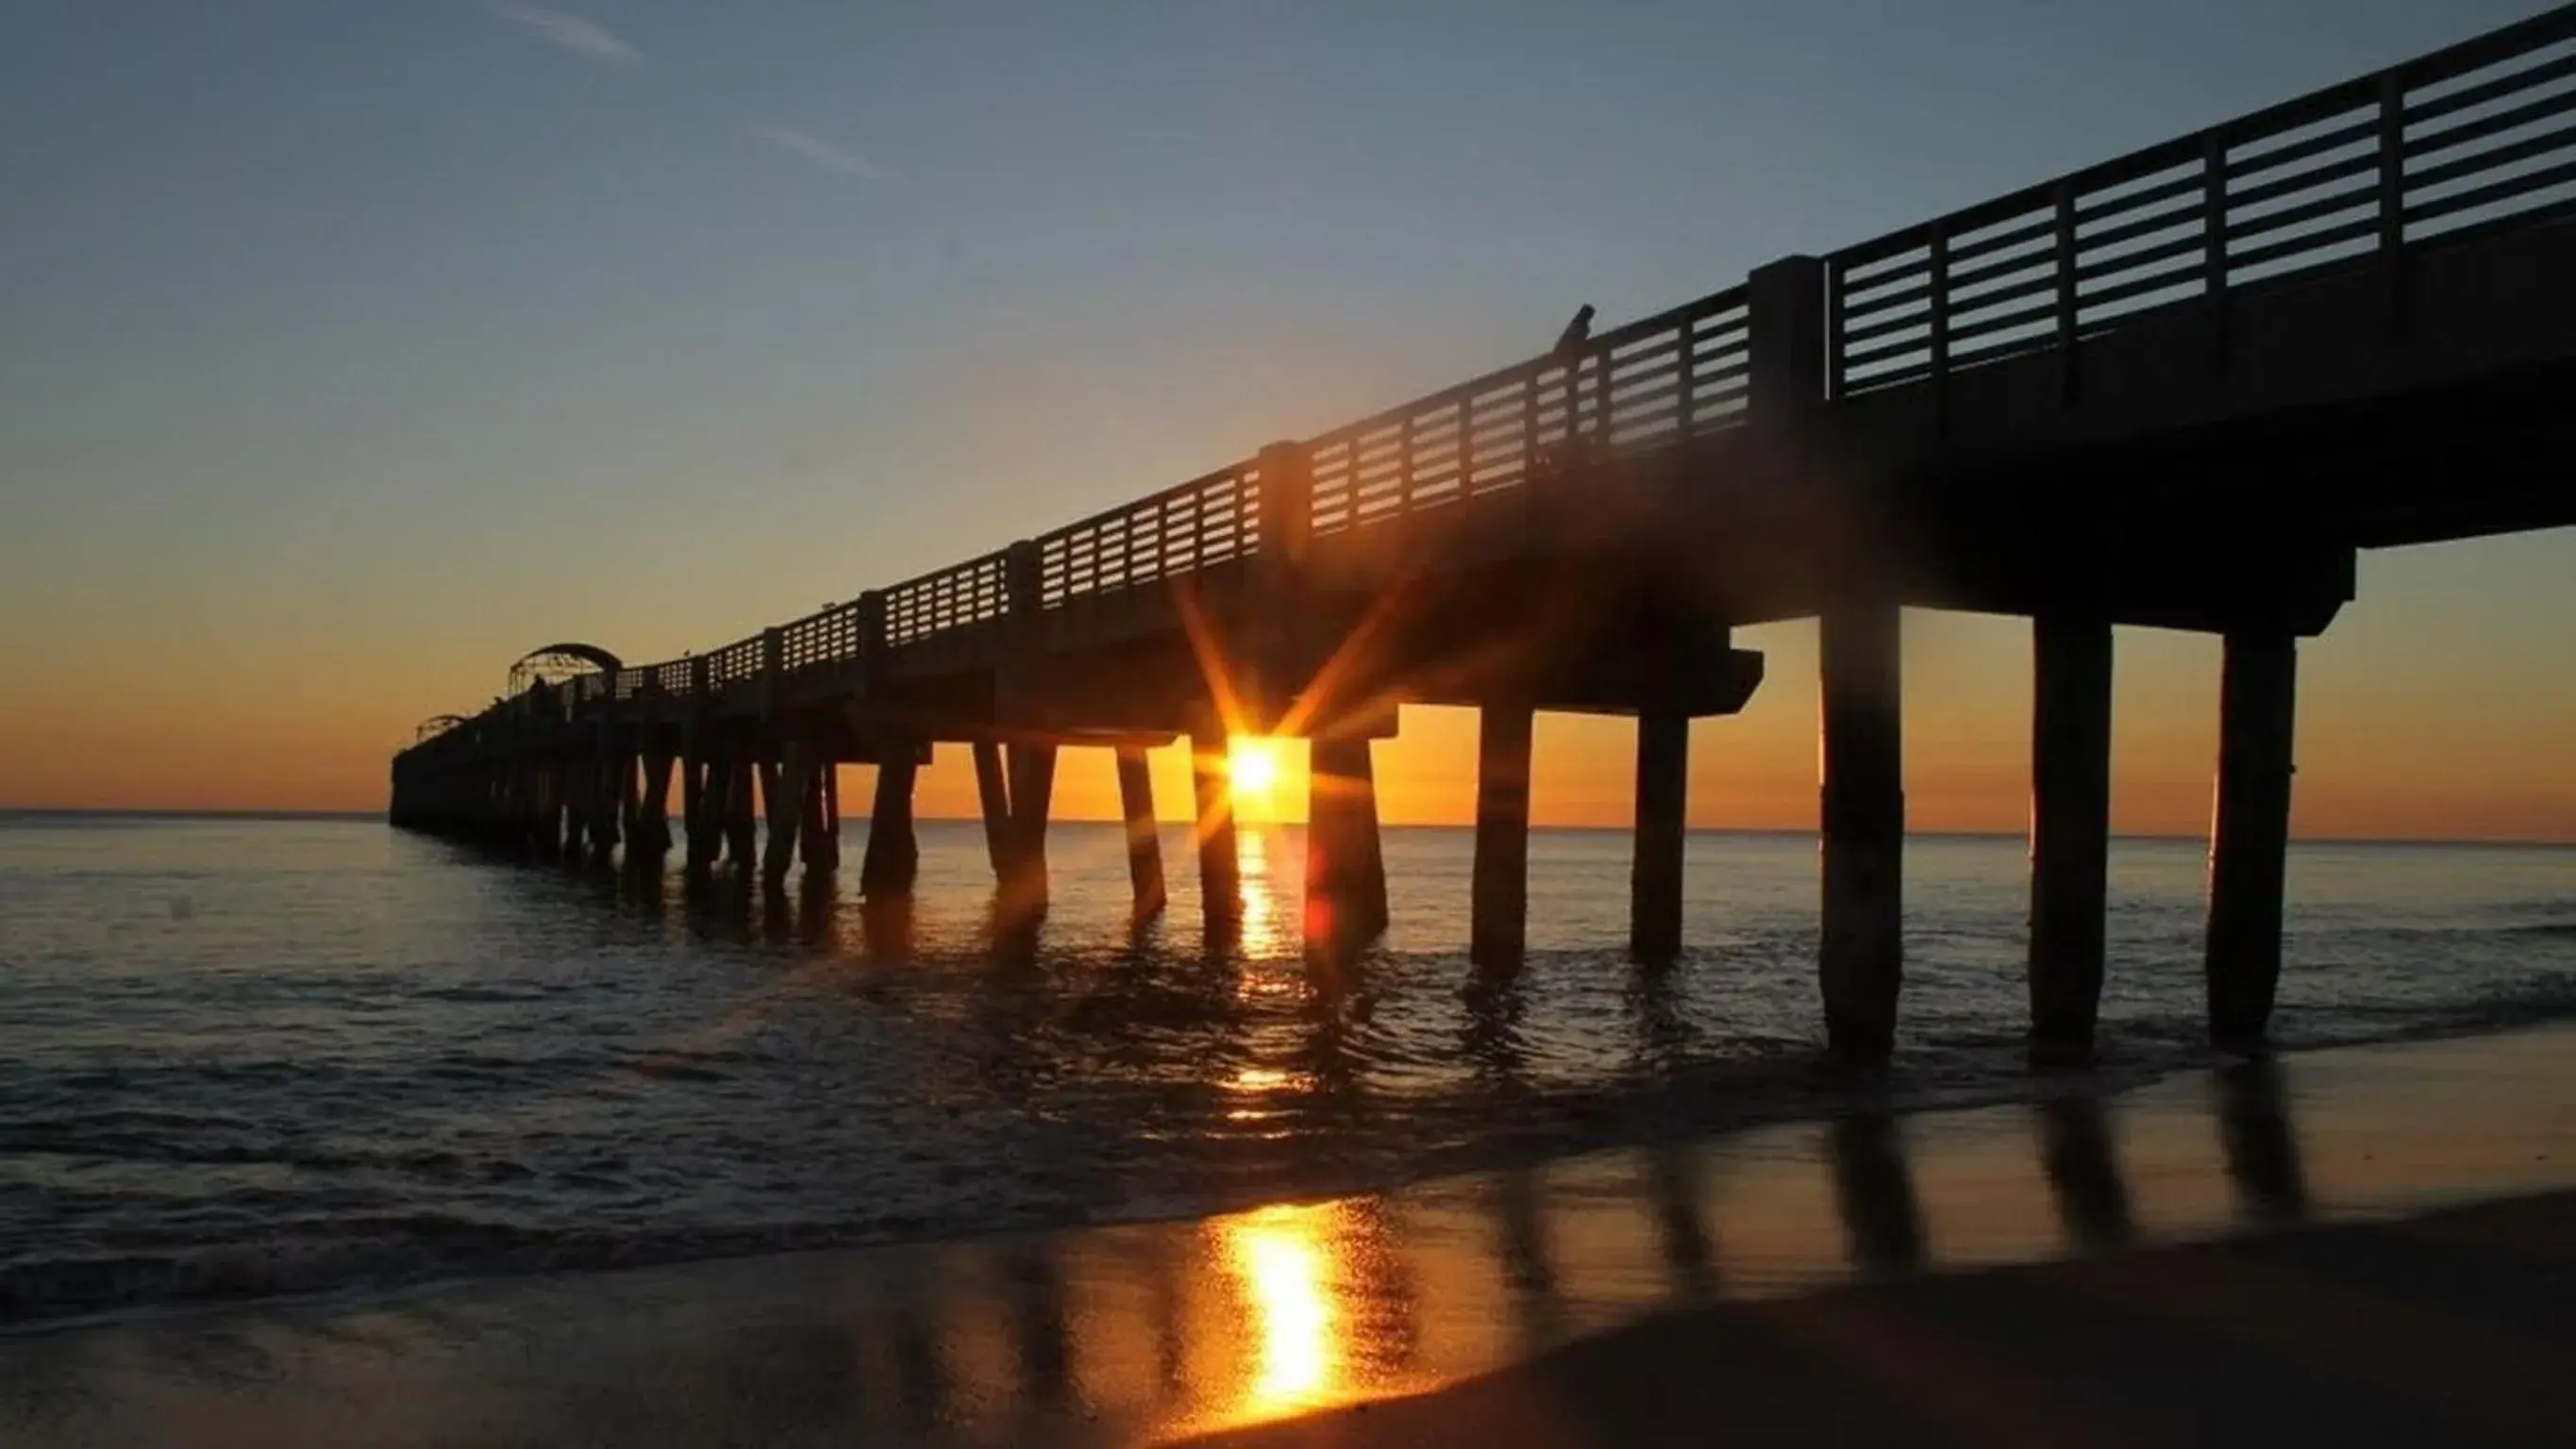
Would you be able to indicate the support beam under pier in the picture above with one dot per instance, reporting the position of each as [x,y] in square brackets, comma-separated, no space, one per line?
[893,856]
[2070,829]
[1345,864]
[1655,875]
[783,783]
[993,791]
[2249,835]
[1220,873]
[1024,886]
[819,839]
[698,792]
[1861,950]
[649,838]
[741,825]
[1144,837]
[1498,918]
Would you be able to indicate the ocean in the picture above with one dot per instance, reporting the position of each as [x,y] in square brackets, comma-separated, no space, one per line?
[247,1058]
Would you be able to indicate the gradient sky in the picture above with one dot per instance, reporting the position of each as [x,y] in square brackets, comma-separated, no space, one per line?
[349,348]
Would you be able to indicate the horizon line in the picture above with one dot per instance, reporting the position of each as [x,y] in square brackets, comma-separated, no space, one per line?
[23,812]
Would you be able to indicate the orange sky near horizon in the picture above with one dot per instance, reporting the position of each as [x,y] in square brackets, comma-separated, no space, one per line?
[2416,721]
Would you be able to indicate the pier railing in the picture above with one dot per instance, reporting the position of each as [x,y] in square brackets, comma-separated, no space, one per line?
[2467,136]
[2474,135]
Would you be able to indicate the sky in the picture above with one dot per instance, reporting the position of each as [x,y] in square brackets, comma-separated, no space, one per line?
[351,348]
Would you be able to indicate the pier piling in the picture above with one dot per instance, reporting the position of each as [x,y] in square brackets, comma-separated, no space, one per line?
[1345,864]
[2070,828]
[1499,910]
[2250,833]
[1655,875]
[1144,837]
[1861,950]
[893,857]
[1032,772]
[1220,877]
[993,793]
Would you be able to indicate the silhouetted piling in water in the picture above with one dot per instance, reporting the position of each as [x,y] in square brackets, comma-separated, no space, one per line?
[1144,836]
[2070,829]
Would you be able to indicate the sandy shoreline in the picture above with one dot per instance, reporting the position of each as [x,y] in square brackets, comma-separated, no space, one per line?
[2447,1329]
[1638,1290]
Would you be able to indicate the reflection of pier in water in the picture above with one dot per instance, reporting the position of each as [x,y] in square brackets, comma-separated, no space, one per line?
[1283,1309]
[1133,1332]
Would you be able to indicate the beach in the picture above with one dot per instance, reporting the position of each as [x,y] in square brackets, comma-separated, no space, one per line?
[2446,1329]
[2230,1252]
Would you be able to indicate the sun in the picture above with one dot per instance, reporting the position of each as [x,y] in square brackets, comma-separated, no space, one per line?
[1252,763]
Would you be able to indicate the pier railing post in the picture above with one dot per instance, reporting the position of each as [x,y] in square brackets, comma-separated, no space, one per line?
[1785,320]
[1024,588]
[773,666]
[1287,482]
[873,661]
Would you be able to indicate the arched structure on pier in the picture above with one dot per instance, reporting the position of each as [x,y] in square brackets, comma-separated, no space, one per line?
[437,724]
[555,663]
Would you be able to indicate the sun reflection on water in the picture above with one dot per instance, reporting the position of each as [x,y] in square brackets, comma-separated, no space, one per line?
[1282,1259]
[1264,920]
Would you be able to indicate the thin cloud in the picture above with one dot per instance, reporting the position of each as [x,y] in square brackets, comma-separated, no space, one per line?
[565,31]
[806,146]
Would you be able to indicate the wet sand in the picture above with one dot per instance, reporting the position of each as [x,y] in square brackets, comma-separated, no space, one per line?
[2452,1329]
[2004,1273]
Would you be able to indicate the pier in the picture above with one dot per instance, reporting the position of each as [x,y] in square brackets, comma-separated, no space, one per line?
[2183,388]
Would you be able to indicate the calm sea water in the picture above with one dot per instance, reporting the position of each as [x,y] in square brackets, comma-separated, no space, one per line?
[241,1058]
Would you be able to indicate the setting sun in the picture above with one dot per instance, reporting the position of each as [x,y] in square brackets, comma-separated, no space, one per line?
[1252,763]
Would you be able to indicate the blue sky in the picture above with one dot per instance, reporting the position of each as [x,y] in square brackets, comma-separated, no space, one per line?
[378,338]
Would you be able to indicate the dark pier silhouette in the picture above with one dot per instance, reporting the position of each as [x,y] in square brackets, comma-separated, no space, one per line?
[2182,388]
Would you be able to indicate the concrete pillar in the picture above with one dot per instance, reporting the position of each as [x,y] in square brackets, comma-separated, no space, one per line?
[1498,925]
[783,783]
[818,840]
[1655,874]
[1032,770]
[698,812]
[994,791]
[2249,834]
[652,835]
[1220,873]
[893,858]
[1861,953]
[624,768]
[2070,828]
[1144,837]
[740,823]
[581,787]
[1369,893]
[1345,868]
